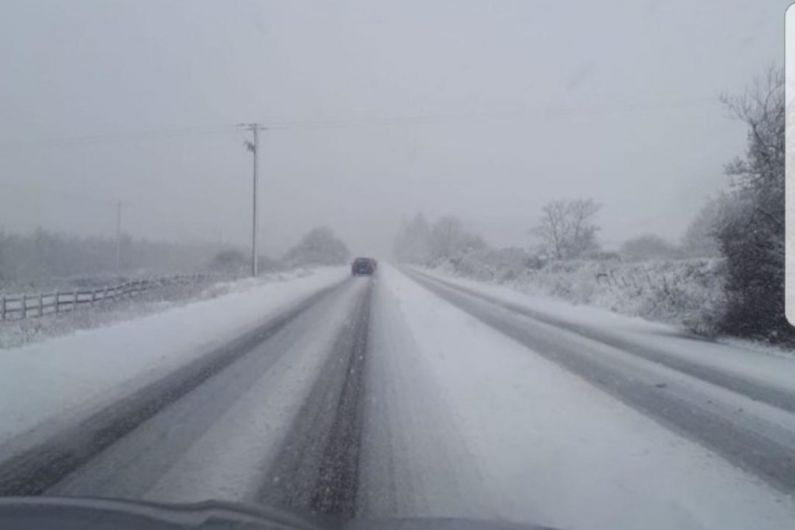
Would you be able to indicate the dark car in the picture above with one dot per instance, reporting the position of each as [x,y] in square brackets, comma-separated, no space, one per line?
[363,267]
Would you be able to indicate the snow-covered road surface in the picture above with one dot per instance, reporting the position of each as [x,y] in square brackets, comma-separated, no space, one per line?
[405,396]
[54,379]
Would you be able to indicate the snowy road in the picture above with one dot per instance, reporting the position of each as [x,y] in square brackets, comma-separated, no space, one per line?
[406,395]
[746,420]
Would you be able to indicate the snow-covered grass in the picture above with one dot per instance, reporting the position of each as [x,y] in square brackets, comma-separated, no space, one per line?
[15,333]
[687,292]
[66,374]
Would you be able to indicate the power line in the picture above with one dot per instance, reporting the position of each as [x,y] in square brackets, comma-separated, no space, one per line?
[520,113]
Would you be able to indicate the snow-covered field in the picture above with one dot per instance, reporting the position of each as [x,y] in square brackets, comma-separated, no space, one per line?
[51,378]
[15,333]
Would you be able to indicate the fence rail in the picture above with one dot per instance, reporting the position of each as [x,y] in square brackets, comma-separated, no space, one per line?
[21,306]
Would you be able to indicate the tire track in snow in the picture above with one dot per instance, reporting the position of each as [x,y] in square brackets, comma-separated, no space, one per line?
[770,458]
[31,470]
[317,468]
[776,397]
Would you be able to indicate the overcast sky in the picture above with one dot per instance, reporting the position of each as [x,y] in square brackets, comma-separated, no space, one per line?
[481,109]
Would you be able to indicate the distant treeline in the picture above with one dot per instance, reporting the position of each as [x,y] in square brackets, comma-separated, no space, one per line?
[42,256]
[45,259]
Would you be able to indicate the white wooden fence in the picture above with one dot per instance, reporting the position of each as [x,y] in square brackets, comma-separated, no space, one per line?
[20,306]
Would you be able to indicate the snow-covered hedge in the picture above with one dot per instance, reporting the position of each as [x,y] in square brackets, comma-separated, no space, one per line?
[687,292]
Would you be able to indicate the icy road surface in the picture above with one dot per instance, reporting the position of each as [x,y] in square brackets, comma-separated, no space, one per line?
[410,395]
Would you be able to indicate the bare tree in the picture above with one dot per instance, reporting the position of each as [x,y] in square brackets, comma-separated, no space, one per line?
[751,230]
[566,228]
[418,241]
[761,172]
[552,228]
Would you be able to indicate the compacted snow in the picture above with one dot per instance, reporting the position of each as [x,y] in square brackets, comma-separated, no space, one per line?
[766,366]
[48,379]
[218,441]
[542,444]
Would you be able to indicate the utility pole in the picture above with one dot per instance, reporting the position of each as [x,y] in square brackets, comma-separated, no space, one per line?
[118,237]
[253,146]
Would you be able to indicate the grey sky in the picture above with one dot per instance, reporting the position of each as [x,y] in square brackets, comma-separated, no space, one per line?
[482,109]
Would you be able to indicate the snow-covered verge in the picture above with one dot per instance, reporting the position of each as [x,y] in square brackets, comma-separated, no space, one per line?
[15,333]
[767,365]
[686,292]
[55,377]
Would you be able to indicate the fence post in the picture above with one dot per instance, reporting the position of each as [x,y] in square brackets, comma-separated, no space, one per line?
[41,304]
[74,301]
[3,308]
[24,306]
[57,302]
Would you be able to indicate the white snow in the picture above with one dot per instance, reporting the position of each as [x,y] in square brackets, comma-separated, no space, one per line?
[239,420]
[763,366]
[460,419]
[552,449]
[22,332]
[218,466]
[413,460]
[685,292]
[49,379]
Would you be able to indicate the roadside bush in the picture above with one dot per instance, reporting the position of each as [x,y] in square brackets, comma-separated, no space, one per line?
[685,292]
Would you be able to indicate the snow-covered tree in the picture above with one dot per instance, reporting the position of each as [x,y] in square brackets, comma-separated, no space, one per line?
[700,238]
[412,243]
[448,238]
[751,229]
[418,241]
[318,247]
[566,228]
